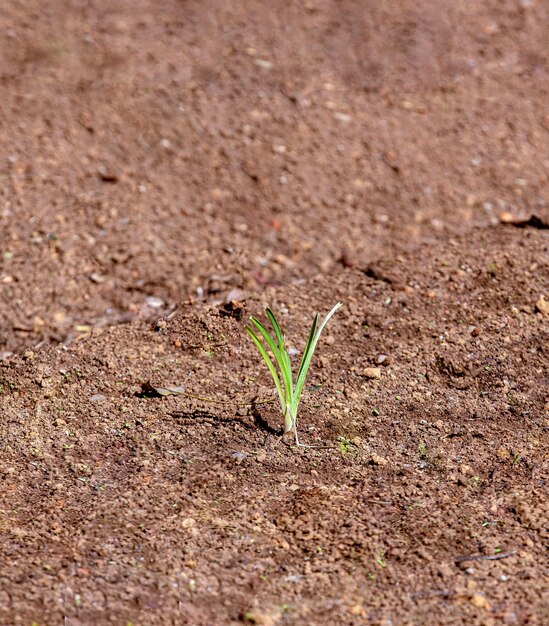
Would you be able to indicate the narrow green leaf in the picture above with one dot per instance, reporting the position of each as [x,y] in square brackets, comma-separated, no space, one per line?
[267,336]
[280,356]
[308,345]
[314,336]
[276,328]
[327,318]
[270,365]
[304,366]
[281,345]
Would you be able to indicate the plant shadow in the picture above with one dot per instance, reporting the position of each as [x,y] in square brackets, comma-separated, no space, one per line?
[261,422]
[199,416]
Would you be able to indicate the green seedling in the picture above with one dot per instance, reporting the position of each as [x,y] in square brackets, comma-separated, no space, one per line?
[346,446]
[380,560]
[289,391]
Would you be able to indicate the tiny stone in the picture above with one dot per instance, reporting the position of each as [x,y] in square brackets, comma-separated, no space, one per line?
[542,305]
[235,294]
[342,117]
[97,278]
[479,601]
[154,303]
[188,522]
[444,571]
[384,359]
[97,398]
[266,65]
[106,175]
[376,459]
[372,372]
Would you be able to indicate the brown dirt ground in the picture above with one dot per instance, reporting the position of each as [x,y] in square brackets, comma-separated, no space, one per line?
[157,155]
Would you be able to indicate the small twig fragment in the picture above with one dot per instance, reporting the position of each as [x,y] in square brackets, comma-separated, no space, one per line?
[482,557]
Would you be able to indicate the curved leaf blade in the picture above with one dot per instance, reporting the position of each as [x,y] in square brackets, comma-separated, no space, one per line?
[270,366]
[281,358]
[314,336]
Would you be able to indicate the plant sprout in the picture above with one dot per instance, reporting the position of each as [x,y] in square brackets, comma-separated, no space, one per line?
[289,392]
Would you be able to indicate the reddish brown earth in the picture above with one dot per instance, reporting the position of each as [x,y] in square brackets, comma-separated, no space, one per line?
[156,156]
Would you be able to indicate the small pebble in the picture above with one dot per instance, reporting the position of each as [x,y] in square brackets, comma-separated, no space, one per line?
[466,470]
[239,456]
[542,305]
[97,278]
[372,372]
[479,601]
[342,117]
[154,303]
[376,459]
[384,359]
[266,65]
[106,175]
[503,454]
[235,294]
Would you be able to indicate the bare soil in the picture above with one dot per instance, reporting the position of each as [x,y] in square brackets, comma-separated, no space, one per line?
[162,159]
